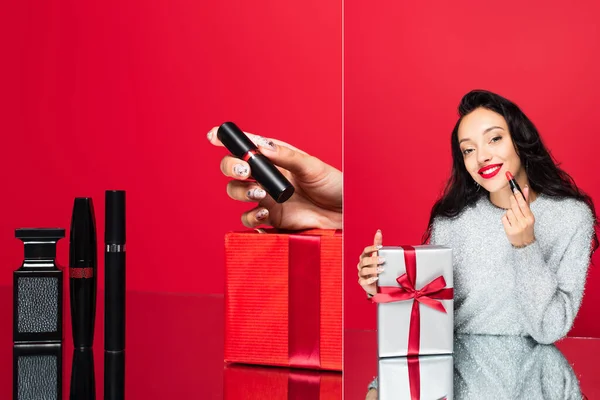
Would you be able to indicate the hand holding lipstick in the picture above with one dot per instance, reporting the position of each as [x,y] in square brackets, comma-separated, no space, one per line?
[316,203]
[518,220]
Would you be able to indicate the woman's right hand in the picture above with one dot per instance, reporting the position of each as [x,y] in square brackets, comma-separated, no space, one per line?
[369,266]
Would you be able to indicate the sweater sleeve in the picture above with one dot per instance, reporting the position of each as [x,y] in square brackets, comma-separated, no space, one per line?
[550,300]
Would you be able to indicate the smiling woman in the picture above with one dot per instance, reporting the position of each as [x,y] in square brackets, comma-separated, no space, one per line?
[520,260]
[537,243]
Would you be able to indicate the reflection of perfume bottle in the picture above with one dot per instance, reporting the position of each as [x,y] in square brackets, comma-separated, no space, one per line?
[37,371]
[83,381]
[38,288]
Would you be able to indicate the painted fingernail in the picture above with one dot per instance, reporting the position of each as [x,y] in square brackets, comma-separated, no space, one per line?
[262,214]
[209,135]
[240,170]
[380,260]
[266,143]
[256,194]
[380,270]
[373,279]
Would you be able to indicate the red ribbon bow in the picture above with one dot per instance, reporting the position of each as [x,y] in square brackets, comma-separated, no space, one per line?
[428,295]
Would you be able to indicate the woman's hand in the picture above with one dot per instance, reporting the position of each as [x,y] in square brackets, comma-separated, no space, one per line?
[316,202]
[519,220]
[371,394]
[369,265]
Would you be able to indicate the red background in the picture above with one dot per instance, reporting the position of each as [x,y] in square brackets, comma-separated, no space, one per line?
[407,64]
[121,94]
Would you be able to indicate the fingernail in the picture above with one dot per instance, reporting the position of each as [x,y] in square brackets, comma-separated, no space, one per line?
[262,214]
[256,193]
[380,260]
[380,270]
[209,135]
[240,170]
[266,143]
[373,279]
[378,230]
[379,246]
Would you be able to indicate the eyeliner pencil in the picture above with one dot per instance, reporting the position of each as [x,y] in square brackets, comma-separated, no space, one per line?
[114,283]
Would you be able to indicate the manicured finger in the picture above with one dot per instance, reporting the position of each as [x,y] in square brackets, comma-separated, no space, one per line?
[368,281]
[506,224]
[368,261]
[255,217]
[526,193]
[512,220]
[369,250]
[378,239]
[259,141]
[245,191]
[522,203]
[368,271]
[235,168]
[514,207]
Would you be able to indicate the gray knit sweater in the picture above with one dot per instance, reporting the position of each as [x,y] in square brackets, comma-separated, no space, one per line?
[535,291]
[532,291]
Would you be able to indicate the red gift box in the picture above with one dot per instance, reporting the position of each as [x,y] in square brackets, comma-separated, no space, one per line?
[259,383]
[283,298]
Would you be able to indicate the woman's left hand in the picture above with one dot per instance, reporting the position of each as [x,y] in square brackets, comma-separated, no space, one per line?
[519,220]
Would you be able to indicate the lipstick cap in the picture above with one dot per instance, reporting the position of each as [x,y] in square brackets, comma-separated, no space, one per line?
[114,232]
[234,139]
[82,251]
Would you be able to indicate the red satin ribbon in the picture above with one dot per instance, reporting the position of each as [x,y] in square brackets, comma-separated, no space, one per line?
[303,386]
[428,295]
[304,301]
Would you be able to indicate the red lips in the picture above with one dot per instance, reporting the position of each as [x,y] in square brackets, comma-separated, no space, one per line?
[490,171]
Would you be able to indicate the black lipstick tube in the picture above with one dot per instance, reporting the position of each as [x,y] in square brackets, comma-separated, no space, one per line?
[114,317]
[83,271]
[263,170]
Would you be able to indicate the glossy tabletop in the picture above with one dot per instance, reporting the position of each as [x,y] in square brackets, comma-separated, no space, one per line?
[174,349]
[493,367]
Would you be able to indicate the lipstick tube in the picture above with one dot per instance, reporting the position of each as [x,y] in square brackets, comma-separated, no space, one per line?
[263,170]
[513,183]
[83,272]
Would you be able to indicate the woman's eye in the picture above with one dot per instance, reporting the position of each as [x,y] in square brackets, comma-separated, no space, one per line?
[467,151]
[497,138]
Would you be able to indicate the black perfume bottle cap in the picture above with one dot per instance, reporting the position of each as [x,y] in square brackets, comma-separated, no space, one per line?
[83,234]
[115,217]
[40,243]
[263,170]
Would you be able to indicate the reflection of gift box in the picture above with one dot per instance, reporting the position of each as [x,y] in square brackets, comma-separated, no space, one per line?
[416,378]
[415,301]
[283,299]
[254,383]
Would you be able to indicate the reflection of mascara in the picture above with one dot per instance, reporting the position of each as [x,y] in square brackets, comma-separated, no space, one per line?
[83,381]
[263,170]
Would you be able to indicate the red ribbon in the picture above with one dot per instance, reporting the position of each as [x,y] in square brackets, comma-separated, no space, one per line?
[428,295]
[305,385]
[304,300]
[414,378]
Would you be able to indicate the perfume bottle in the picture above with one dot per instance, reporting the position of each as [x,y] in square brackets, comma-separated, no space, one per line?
[38,288]
[37,317]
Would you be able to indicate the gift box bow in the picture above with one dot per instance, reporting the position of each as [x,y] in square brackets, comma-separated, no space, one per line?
[429,295]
